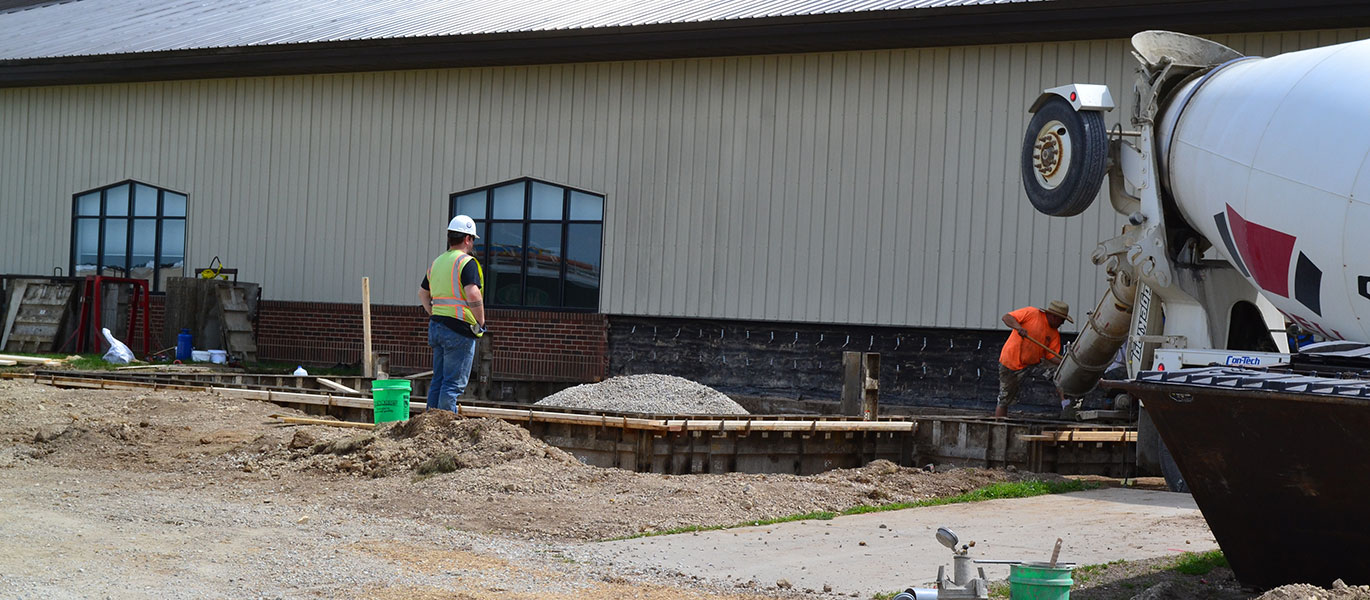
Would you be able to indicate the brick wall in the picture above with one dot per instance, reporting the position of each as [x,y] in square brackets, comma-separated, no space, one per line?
[528,345]
[549,346]
[330,333]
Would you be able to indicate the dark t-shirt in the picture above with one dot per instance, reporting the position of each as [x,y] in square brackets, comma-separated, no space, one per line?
[470,275]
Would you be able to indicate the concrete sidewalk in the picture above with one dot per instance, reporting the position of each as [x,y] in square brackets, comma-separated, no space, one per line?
[900,551]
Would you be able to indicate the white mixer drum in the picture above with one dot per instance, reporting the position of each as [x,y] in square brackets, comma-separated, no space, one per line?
[1268,159]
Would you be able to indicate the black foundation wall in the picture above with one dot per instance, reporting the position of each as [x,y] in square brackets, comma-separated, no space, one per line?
[950,368]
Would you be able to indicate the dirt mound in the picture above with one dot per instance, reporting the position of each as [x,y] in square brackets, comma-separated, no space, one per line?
[882,481]
[650,393]
[433,442]
[1303,591]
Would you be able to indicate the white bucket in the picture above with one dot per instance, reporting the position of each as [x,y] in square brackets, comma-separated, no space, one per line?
[199,355]
[218,357]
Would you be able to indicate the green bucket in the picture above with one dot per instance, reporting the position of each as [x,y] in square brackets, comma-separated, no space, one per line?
[390,400]
[1039,581]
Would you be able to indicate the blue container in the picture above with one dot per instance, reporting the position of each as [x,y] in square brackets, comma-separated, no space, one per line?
[183,346]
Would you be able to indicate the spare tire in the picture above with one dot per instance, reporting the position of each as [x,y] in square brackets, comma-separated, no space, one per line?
[1065,156]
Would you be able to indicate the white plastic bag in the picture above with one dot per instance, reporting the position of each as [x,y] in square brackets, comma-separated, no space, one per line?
[118,354]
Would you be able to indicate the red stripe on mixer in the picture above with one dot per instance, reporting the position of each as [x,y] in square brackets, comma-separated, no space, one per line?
[1265,251]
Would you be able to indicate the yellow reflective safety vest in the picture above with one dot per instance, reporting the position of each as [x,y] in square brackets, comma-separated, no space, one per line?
[444,285]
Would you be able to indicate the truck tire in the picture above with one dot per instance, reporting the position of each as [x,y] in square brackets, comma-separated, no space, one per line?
[1065,157]
[1173,479]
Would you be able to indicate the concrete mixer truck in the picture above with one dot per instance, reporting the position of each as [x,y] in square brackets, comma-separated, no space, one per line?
[1245,183]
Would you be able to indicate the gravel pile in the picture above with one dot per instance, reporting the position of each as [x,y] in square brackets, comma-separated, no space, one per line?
[651,393]
[1303,591]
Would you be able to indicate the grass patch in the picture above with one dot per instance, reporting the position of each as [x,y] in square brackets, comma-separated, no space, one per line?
[1085,573]
[885,595]
[996,491]
[93,362]
[1200,563]
[1014,489]
[822,515]
[267,367]
[999,589]
[83,362]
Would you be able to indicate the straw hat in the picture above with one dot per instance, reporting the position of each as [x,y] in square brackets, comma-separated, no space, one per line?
[1060,309]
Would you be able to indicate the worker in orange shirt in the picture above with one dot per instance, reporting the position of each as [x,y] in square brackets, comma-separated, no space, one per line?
[1020,355]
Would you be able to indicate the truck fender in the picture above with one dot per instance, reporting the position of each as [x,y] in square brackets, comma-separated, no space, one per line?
[1081,96]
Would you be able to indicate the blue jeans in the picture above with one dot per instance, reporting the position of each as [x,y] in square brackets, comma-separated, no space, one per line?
[453,354]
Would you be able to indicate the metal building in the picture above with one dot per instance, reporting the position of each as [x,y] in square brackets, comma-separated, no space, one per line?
[818,161]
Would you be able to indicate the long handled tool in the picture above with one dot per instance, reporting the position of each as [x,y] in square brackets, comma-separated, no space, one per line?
[1043,346]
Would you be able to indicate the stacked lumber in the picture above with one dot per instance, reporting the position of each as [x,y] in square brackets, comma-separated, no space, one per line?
[10,360]
[1081,436]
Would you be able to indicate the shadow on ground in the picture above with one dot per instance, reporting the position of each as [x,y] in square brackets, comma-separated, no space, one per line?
[1153,579]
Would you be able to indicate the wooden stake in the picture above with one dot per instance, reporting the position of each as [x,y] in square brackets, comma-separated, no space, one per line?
[366,327]
[851,384]
[1056,553]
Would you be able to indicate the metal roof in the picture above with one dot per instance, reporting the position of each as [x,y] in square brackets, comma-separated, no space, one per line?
[107,27]
[57,42]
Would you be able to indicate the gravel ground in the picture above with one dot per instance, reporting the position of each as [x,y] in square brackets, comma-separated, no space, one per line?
[190,495]
[651,394]
[1154,579]
[111,534]
[1302,591]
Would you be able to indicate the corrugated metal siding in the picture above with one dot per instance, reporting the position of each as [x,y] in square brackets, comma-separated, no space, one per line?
[128,26]
[863,187]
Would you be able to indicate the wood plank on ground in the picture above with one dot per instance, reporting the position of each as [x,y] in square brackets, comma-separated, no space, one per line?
[30,360]
[1081,436]
[336,386]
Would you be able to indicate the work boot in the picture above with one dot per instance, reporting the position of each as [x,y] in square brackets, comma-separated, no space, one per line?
[1001,412]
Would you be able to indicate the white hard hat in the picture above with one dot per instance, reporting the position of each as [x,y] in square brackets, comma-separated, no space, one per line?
[463,224]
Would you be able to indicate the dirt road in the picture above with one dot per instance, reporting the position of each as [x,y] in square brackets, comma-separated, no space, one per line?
[125,494]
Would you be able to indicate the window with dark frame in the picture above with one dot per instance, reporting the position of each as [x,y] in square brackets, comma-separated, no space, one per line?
[129,229]
[540,243]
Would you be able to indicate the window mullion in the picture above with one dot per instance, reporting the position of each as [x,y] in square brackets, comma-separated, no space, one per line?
[100,238]
[71,267]
[565,246]
[130,225]
[527,230]
[157,245]
[489,227]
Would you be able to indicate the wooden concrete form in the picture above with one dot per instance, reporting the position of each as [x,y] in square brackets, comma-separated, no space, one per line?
[675,444]
[702,450]
[1037,446]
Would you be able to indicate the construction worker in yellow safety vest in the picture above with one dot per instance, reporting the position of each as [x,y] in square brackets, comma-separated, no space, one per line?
[453,294]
